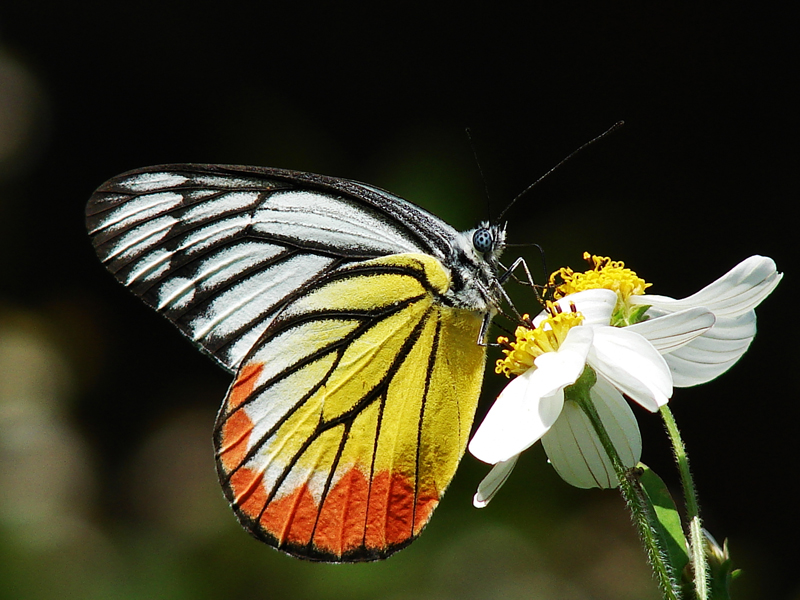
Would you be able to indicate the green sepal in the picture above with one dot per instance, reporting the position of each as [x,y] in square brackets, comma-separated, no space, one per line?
[721,571]
[624,316]
[669,530]
[637,314]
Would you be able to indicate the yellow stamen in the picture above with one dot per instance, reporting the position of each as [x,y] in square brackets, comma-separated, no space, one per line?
[532,343]
[605,273]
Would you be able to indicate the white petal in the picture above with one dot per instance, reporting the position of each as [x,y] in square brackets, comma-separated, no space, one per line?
[595,305]
[531,403]
[713,353]
[619,421]
[574,449]
[514,423]
[493,482]
[741,289]
[631,363]
[674,330]
[566,364]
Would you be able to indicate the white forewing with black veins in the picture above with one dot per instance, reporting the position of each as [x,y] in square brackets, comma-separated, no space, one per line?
[220,250]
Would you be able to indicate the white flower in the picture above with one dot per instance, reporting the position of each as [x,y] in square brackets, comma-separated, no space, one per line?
[732,298]
[697,338]
[533,407]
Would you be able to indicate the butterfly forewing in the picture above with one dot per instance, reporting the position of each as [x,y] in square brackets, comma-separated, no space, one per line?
[345,424]
[220,250]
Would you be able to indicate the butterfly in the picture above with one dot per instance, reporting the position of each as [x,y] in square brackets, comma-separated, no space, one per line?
[353,322]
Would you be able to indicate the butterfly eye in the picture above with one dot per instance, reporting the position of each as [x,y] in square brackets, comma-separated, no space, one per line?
[482,240]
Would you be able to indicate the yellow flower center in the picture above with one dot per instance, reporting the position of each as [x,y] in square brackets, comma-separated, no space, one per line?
[531,343]
[605,274]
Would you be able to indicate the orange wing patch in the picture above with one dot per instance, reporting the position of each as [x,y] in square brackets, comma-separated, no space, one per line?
[357,518]
[237,428]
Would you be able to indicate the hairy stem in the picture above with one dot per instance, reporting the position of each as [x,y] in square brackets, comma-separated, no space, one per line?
[696,538]
[642,511]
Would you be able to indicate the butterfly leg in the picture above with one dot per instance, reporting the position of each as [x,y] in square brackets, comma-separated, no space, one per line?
[509,273]
[502,279]
[487,319]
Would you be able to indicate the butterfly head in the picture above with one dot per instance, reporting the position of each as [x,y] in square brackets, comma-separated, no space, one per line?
[489,240]
[474,265]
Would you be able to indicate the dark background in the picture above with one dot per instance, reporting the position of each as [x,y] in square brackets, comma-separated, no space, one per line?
[106,469]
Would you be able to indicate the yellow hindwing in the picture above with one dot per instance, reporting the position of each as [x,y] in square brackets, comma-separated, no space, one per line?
[347,421]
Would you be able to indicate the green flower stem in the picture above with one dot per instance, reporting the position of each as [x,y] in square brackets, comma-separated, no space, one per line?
[696,538]
[638,503]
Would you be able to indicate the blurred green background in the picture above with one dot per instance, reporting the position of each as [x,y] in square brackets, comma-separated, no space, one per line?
[107,484]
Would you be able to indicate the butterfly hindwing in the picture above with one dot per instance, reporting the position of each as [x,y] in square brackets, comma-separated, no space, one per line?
[220,250]
[346,422]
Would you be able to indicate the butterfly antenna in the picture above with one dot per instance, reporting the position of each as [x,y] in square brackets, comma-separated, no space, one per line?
[608,131]
[480,170]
